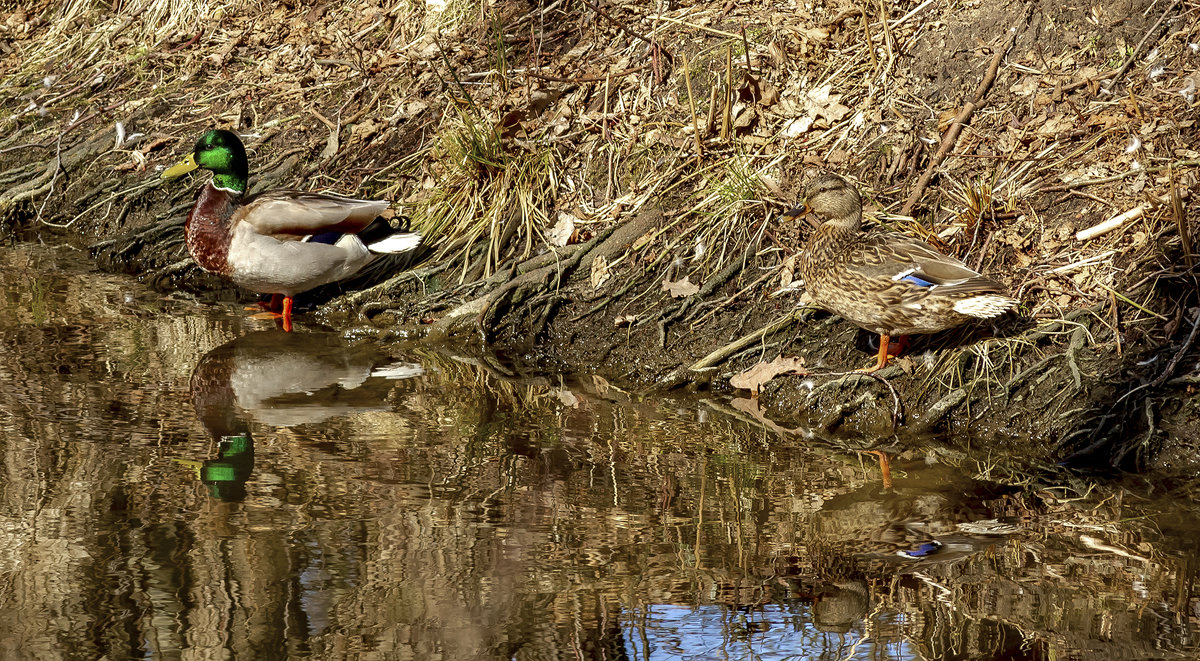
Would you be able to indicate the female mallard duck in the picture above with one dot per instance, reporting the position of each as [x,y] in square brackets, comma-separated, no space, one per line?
[279,242]
[884,282]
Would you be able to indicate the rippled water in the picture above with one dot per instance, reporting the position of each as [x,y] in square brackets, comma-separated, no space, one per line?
[181,481]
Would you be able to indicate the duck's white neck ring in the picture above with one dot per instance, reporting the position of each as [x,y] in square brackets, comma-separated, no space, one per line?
[227,190]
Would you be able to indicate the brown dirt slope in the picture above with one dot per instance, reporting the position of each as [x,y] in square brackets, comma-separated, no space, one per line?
[601,183]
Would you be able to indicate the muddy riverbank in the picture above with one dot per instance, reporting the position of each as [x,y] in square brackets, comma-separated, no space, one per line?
[601,186]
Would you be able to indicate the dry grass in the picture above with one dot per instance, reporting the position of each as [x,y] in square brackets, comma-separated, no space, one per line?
[489,204]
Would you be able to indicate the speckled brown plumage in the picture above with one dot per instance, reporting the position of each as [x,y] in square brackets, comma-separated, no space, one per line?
[885,282]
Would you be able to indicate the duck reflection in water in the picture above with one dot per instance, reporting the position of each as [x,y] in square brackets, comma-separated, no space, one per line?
[279,380]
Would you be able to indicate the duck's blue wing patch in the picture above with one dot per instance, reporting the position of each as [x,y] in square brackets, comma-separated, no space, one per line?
[912,279]
[923,551]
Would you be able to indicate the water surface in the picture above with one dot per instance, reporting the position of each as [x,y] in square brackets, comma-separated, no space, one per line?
[182,481]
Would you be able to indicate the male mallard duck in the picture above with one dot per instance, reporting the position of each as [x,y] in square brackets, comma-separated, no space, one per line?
[884,282]
[279,242]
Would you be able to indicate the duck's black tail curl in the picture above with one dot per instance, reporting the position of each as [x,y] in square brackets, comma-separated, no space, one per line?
[384,237]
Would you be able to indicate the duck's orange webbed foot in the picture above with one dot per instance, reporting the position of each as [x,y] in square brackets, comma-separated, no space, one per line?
[881,359]
[887,349]
[273,304]
[278,308]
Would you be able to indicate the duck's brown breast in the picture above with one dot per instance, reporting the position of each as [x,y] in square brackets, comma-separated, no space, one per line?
[208,231]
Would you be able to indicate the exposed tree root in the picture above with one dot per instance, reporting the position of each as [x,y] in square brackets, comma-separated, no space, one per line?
[938,411]
[719,355]
[522,288]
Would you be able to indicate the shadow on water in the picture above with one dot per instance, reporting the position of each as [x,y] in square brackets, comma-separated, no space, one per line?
[359,502]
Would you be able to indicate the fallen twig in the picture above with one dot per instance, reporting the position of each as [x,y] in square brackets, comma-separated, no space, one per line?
[716,357]
[587,79]
[951,138]
[628,30]
[1116,222]
[1080,183]
[1111,224]
[1137,50]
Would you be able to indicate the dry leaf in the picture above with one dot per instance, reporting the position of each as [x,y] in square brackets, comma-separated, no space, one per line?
[945,119]
[625,320]
[797,127]
[331,145]
[600,272]
[602,385]
[819,34]
[567,398]
[560,235]
[777,53]
[753,379]
[788,273]
[771,184]
[1024,87]
[680,288]
[1055,125]
[644,239]
[744,117]
[758,90]
[365,130]
[821,102]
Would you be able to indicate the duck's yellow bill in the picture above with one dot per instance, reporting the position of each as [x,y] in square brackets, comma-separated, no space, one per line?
[195,466]
[183,167]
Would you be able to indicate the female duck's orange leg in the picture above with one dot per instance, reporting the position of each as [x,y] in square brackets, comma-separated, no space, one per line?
[887,349]
[881,360]
[885,467]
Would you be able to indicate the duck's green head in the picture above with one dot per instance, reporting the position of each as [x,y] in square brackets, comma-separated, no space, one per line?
[223,153]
